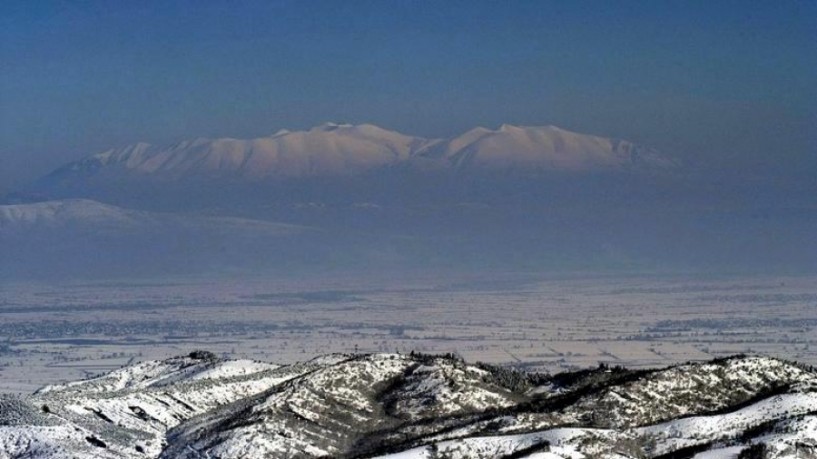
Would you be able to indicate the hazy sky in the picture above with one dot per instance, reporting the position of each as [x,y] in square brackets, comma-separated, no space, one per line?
[721,82]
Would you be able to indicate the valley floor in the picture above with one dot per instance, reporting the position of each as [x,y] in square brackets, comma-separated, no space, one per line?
[51,333]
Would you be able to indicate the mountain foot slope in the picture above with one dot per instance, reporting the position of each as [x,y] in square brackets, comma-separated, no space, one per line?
[417,406]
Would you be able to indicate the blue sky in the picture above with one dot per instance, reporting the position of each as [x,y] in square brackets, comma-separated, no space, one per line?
[726,83]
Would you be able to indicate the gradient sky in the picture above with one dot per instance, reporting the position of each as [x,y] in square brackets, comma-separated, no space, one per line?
[721,83]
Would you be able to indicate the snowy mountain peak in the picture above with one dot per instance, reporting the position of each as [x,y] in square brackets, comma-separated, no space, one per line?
[330,126]
[508,128]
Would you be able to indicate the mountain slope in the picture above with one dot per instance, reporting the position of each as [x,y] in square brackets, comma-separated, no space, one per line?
[416,406]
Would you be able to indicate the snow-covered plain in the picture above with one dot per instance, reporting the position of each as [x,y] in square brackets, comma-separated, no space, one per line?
[56,332]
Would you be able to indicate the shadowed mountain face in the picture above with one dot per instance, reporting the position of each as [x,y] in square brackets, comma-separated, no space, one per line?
[416,406]
[511,198]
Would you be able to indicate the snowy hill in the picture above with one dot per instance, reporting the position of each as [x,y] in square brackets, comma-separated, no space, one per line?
[417,406]
[84,237]
[84,213]
[335,150]
[68,212]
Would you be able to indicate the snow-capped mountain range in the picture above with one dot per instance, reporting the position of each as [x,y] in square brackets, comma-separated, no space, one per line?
[333,149]
[417,406]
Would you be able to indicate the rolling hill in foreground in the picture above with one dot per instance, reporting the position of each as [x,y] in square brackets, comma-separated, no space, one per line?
[418,406]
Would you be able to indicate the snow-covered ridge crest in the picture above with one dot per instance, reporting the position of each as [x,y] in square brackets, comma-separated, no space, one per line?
[333,149]
[416,406]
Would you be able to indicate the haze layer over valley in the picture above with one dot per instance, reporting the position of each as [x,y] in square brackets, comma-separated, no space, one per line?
[362,197]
